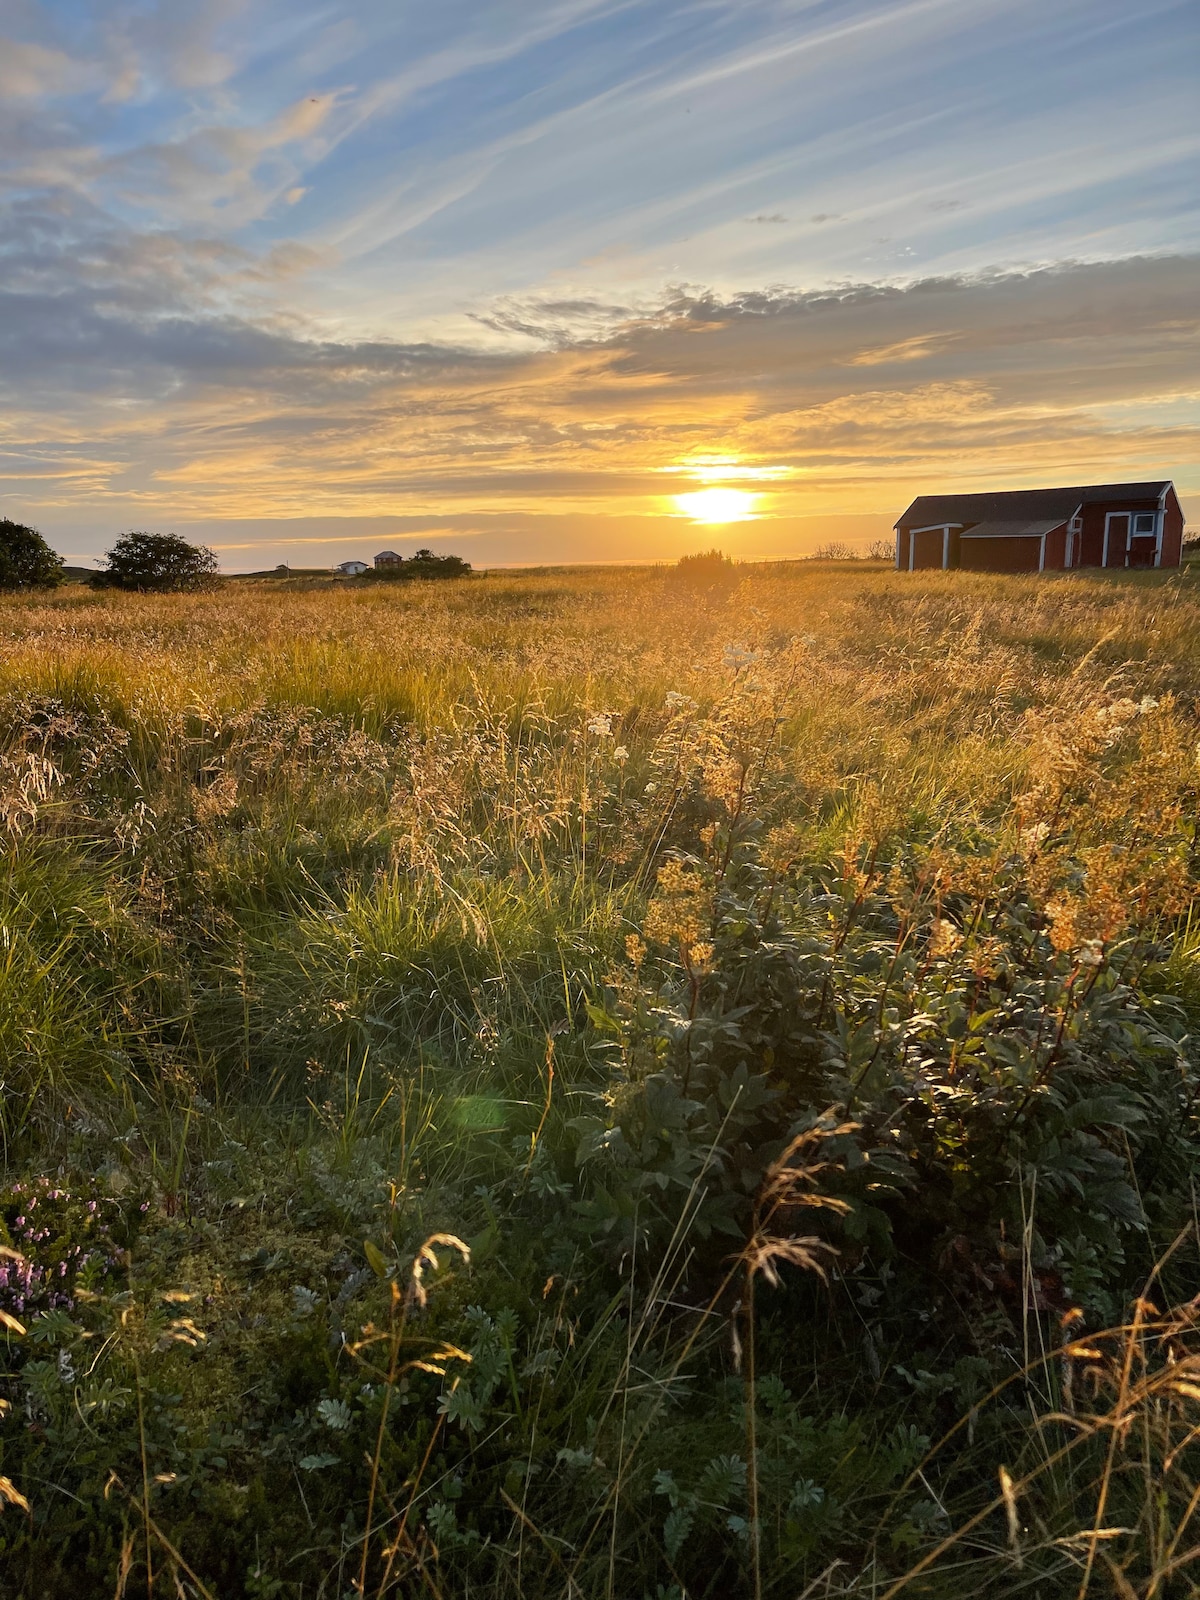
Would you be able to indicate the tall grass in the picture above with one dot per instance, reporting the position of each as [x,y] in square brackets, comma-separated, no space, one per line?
[547,913]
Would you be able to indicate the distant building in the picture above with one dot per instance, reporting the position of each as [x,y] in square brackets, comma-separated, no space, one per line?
[353,569]
[388,558]
[1044,530]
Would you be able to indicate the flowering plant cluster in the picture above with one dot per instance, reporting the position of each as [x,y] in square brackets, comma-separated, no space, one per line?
[57,1241]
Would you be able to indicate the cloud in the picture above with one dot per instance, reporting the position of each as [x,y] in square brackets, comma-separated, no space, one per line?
[470,314]
[29,70]
[855,398]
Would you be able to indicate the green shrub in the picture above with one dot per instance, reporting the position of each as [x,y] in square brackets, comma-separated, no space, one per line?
[26,560]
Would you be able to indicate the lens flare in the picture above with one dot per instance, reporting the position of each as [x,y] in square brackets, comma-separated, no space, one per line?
[717,505]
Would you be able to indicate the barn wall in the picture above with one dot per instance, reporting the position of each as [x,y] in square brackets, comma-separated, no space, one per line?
[1092,554]
[1172,542]
[1056,549]
[928,549]
[1091,540]
[1014,553]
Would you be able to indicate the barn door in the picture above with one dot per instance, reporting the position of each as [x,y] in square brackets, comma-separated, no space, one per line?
[1116,539]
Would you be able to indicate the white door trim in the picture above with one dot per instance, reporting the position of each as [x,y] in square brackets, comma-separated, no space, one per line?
[1108,517]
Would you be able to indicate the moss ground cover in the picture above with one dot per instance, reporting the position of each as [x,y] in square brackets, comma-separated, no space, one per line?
[599,1084]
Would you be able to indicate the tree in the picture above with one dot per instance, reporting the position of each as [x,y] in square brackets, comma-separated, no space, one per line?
[158,563]
[26,560]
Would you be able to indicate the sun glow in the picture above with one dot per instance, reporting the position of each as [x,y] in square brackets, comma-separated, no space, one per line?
[717,505]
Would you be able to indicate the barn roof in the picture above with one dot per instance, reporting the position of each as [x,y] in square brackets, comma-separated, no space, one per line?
[996,527]
[934,510]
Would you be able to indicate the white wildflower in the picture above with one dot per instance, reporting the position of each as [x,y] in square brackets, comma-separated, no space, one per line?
[601,724]
[1146,705]
[739,655]
[1091,952]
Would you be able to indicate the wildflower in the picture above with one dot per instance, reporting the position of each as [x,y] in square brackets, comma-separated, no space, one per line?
[601,724]
[1064,928]
[1091,953]
[682,910]
[738,656]
[1146,705]
[944,938]
[620,755]
[679,702]
[700,957]
[635,950]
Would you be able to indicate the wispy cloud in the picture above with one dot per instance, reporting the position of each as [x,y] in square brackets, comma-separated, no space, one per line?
[495,261]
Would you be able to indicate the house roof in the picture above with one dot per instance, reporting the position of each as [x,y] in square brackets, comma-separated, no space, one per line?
[934,510]
[394,554]
[997,527]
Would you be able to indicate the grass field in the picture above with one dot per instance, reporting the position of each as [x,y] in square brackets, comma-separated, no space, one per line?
[589,1085]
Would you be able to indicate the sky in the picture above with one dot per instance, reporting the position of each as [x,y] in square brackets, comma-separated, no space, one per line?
[529,280]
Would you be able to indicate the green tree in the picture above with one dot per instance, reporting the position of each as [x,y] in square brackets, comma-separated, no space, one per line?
[157,563]
[26,560]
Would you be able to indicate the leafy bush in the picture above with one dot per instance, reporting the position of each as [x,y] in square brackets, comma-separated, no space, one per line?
[706,570]
[157,563]
[26,560]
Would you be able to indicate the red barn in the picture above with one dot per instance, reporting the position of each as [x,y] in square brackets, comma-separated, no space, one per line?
[1043,530]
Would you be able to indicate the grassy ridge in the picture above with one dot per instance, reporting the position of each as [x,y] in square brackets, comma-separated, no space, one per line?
[782,990]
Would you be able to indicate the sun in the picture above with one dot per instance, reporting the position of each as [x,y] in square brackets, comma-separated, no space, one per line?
[717,505]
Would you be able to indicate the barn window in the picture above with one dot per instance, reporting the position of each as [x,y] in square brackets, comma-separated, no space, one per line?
[1076,524]
[1143,522]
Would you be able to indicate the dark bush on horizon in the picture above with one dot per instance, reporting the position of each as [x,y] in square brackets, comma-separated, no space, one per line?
[707,569]
[424,564]
[157,563]
[26,560]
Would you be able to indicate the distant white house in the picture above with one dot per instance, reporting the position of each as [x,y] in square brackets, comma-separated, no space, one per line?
[351,569]
[388,558]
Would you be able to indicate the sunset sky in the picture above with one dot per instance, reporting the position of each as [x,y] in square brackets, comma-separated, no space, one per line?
[516,278]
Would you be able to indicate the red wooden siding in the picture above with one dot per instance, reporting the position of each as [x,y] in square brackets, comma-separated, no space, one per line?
[1125,547]
[1000,554]
[1172,543]
[927,548]
[1056,549]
